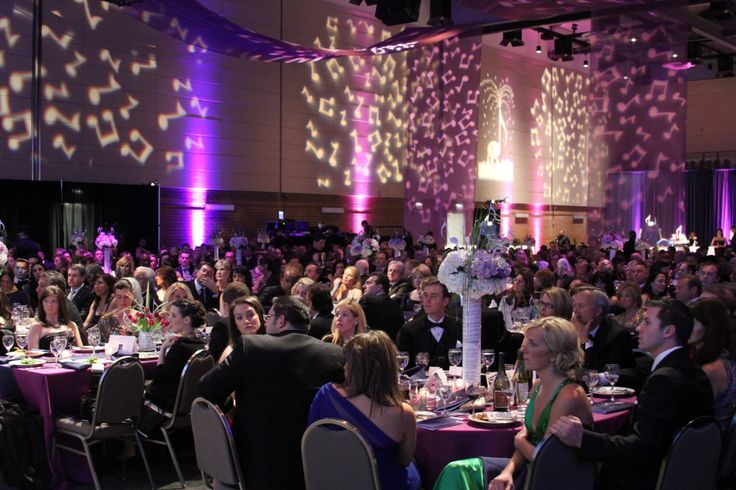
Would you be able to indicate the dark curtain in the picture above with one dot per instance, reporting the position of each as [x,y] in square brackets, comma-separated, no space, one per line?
[700,215]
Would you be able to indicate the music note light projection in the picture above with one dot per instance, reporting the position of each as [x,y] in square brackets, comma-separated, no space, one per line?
[496,125]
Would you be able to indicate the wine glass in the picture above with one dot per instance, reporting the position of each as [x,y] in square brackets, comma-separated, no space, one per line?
[8,341]
[403,359]
[21,338]
[58,344]
[93,336]
[456,356]
[422,359]
[444,390]
[612,373]
[487,357]
[591,378]
[474,391]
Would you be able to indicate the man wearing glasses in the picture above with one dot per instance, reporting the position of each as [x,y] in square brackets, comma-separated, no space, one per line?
[275,378]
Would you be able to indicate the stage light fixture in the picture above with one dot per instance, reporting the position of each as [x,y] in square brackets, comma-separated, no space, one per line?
[513,38]
[563,49]
[395,12]
[675,55]
[633,39]
[539,49]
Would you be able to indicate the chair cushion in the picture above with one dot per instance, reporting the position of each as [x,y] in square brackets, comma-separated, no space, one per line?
[83,427]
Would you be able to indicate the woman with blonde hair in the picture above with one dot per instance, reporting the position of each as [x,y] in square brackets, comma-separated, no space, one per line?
[629,298]
[350,286]
[124,267]
[178,290]
[370,400]
[301,287]
[551,349]
[349,321]
[555,301]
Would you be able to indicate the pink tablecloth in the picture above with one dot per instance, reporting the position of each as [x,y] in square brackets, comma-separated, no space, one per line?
[437,448]
[54,392]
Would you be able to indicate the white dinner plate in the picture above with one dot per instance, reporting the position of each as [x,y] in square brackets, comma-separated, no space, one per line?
[494,419]
[617,391]
[27,363]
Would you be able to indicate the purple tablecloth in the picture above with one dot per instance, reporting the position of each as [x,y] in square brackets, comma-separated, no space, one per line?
[437,448]
[53,392]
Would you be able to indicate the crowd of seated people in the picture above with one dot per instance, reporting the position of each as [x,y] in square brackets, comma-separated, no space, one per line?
[254,308]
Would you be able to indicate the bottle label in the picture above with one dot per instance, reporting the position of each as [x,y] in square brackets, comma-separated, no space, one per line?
[501,400]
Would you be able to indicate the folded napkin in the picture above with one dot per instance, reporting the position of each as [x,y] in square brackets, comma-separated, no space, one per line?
[610,407]
[5,359]
[438,423]
[77,366]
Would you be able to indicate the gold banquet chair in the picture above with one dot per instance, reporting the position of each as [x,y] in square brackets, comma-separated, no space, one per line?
[117,411]
[336,456]
[217,457]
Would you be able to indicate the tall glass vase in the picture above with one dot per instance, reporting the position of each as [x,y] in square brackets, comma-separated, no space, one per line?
[107,256]
[471,339]
[239,256]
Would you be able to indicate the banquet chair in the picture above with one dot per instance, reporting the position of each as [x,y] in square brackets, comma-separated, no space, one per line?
[197,366]
[336,456]
[117,411]
[692,461]
[727,469]
[555,462]
[214,445]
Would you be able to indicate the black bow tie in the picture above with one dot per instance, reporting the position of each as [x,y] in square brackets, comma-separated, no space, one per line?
[435,324]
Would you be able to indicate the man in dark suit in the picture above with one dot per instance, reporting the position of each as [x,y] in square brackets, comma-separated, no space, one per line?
[435,332]
[275,378]
[675,392]
[79,293]
[398,286]
[204,288]
[185,270]
[320,310]
[603,341]
[381,313]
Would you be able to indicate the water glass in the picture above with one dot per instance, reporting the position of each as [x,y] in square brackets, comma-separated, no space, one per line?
[444,390]
[8,341]
[58,344]
[487,357]
[93,336]
[591,378]
[403,359]
[612,373]
[21,338]
[456,356]
[422,359]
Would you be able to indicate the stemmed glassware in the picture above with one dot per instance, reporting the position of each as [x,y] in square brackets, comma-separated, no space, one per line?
[58,344]
[93,336]
[456,356]
[444,390]
[591,379]
[8,342]
[612,373]
[422,359]
[21,338]
[487,356]
[403,359]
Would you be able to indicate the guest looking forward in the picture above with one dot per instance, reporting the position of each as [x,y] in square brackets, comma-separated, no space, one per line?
[115,322]
[370,400]
[381,312]
[53,321]
[103,292]
[551,349]
[399,287]
[55,278]
[675,392]
[555,301]
[349,321]
[246,318]
[275,378]
[434,332]
[350,285]
[220,334]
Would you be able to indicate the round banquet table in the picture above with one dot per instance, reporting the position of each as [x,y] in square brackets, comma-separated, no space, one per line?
[436,448]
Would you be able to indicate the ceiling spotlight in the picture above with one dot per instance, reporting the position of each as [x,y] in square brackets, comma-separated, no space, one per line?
[626,77]
[585,63]
[513,38]
[674,55]
[539,49]
[633,39]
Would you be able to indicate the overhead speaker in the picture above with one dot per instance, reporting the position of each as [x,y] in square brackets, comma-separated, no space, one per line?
[440,13]
[394,12]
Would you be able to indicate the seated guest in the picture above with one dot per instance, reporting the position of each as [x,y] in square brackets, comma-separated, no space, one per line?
[275,378]
[246,318]
[414,298]
[551,349]
[713,348]
[381,313]
[350,285]
[398,286]
[555,301]
[434,332]
[79,293]
[184,318]
[301,286]
[223,274]
[629,298]
[103,300]
[656,287]
[605,342]
[204,288]
[519,300]
[8,286]
[349,321]
[146,279]
[124,267]
[220,334]
[178,290]
[543,279]
[116,322]
[688,288]
[55,278]
[289,276]
[320,310]
[370,400]
[53,321]
[242,274]
[675,392]
[165,278]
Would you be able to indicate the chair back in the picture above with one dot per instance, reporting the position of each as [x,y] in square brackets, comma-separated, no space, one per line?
[214,445]
[692,461]
[553,461]
[336,456]
[728,451]
[197,366]
[120,392]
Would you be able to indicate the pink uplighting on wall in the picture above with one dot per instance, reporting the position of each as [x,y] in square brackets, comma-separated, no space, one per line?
[505,219]
[537,211]
[196,199]
[360,206]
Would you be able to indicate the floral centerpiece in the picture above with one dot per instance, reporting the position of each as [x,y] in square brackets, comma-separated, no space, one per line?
[106,241]
[238,243]
[79,238]
[398,245]
[3,253]
[474,269]
[144,321]
[363,247]
[216,242]
[263,239]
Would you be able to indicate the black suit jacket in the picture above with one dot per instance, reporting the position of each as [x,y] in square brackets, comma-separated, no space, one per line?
[611,345]
[209,299]
[219,337]
[320,325]
[275,379]
[382,313]
[83,300]
[415,336]
[399,290]
[675,393]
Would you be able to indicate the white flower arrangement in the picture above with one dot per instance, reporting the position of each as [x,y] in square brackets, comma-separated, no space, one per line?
[78,238]
[363,247]
[3,253]
[216,240]
[238,241]
[263,238]
[612,241]
[398,245]
[426,240]
[106,238]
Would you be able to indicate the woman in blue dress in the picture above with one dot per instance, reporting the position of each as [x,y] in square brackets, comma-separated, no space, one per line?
[370,400]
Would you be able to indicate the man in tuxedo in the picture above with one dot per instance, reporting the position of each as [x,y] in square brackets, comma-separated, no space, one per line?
[79,293]
[604,341]
[204,288]
[434,332]
[675,392]
[275,378]
[381,313]
[185,270]
[398,286]
[320,310]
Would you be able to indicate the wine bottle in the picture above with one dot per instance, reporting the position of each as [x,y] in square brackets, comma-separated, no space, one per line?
[501,388]
[522,377]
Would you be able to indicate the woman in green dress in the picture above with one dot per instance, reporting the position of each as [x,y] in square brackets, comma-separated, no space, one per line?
[551,349]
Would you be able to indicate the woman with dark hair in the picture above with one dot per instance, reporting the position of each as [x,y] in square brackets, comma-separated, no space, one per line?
[242,274]
[103,288]
[6,322]
[7,285]
[718,242]
[370,400]
[555,301]
[165,277]
[184,318]
[246,318]
[714,349]
[37,270]
[519,301]
[115,322]
[656,286]
[53,321]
